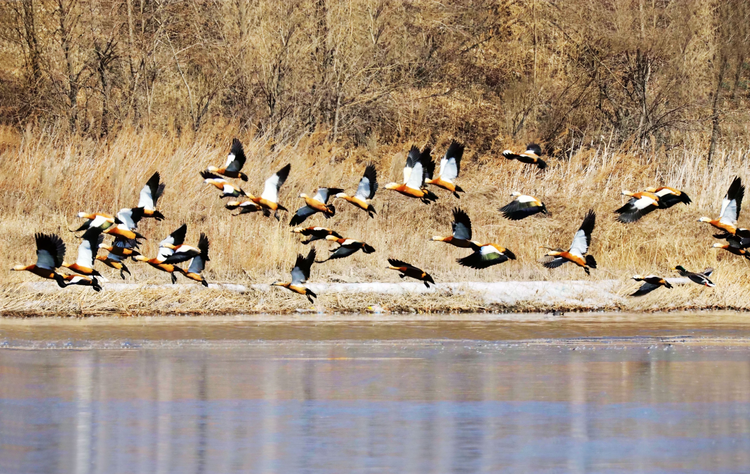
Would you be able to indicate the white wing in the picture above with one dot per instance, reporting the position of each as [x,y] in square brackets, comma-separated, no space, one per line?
[164,253]
[297,276]
[580,244]
[146,200]
[416,178]
[728,211]
[85,255]
[271,189]
[321,195]
[448,169]
[126,216]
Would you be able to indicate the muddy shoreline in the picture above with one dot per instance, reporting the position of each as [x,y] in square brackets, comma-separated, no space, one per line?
[44,299]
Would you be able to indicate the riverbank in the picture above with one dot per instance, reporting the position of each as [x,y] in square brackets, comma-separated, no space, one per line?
[45,299]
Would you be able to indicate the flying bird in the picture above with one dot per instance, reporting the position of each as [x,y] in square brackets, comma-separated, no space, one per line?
[701,278]
[84,264]
[365,191]
[522,206]
[227,190]
[269,200]
[650,283]
[531,156]
[637,206]
[246,207]
[407,270]
[198,263]
[461,227]
[235,162]
[151,193]
[183,253]
[414,178]
[300,274]
[486,255]
[668,197]
[346,247]
[50,253]
[315,204]
[450,166]
[315,233]
[730,212]
[578,249]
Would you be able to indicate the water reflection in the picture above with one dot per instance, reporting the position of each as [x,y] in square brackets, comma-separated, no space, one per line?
[372,407]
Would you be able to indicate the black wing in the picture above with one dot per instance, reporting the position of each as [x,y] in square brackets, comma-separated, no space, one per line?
[53,245]
[428,165]
[371,176]
[239,156]
[516,210]
[461,225]
[283,174]
[645,289]
[737,192]
[304,263]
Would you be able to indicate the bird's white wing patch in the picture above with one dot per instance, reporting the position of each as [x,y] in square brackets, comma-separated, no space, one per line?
[146,200]
[416,177]
[580,244]
[271,189]
[297,276]
[728,211]
[85,255]
[448,169]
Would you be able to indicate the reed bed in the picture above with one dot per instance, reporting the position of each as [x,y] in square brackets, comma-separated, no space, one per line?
[46,178]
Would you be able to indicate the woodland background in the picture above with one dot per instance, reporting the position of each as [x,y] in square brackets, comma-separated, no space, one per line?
[97,95]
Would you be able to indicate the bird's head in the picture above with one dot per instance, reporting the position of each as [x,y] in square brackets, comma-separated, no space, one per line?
[213,169]
[679,268]
[704,219]
[391,186]
[719,246]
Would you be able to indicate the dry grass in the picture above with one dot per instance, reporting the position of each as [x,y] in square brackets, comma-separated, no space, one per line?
[47,178]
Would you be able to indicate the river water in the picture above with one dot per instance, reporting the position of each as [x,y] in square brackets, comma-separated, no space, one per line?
[530,394]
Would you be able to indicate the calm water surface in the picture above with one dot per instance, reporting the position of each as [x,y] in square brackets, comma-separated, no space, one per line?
[184,396]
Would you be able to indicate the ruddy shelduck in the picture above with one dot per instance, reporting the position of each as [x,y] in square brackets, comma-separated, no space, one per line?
[84,264]
[183,253]
[346,247]
[83,281]
[650,283]
[227,189]
[461,227]
[300,274]
[315,233]
[578,249]
[246,207]
[486,255]
[522,207]
[198,263]
[668,197]
[407,270]
[731,206]
[269,200]
[50,253]
[150,194]
[235,162]
[531,156]
[315,204]
[414,178]
[450,166]
[637,206]
[368,185]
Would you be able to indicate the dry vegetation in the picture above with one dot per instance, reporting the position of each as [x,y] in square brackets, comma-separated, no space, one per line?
[96,96]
